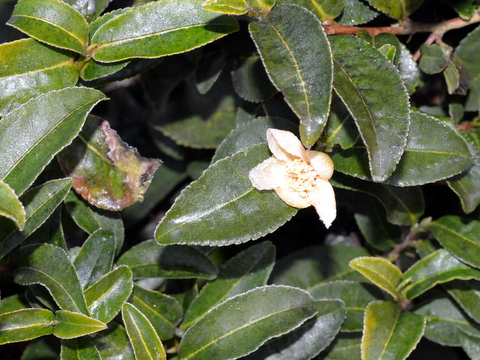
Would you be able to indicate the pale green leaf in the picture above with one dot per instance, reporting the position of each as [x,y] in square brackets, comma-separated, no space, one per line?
[10,205]
[71,325]
[323,9]
[397,9]
[231,7]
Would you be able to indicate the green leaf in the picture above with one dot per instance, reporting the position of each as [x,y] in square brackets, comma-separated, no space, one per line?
[466,53]
[437,268]
[231,7]
[381,112]
[46,348]
[355,13]
[247,270]
[163,311]
[390,333]
[50,266]
[93,70]
[397,9]
[106,297]
[300,69]
[145,341]
[150,259]
[53,22]
[232,329]
[467,295]
[71,325]
[39,202]
[32,134]
[354,294]
[25,324]
[90,9]
[79,348]
[309,339]
[379,271]
[113,343]
[50,232]
[408,69]
[433,59]
[95,258]
[173,27]
[10,205]
[210,207]
[29,68]
[323,9]
[208,68]
[105,170]
[459,236]
[13,303]
[346,346]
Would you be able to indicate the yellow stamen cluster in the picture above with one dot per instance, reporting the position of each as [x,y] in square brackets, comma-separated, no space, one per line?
[302,176]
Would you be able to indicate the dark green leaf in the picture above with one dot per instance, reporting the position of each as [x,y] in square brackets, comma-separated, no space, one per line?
[79,348]
[346,346]
[247,270]
[158,29]
[208,69]
[467,295]
[381,112]
[433,59]
[13,303]
[10,205]
[355,13]
[466,53]
[113,343]
[93,70]
[234,330]
[397,9]
[300,69]
[71,325]
[32,134]
[150,259]
[53,22]
[25,324]
[210,207]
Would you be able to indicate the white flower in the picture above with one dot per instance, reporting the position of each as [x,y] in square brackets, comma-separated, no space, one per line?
[298,176]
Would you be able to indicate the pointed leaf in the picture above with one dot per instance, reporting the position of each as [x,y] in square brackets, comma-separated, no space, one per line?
[150,259]
[323,9]
[390,333]
[71,325]
[356,12]
[379,271]
[28,68]
[301,69]
[397,9]
[106,297]
[93,70]
[31,135]
[39,202]
[439,267]
[79,348]
[232,329]
[459,236]
[95,258]
[25,324]
[210,207]
[173,27]
[50,266]
[10,205]
[145,341]
[381,112]
[113,343]
[105,170]
[247,270]
[53,22]
[163,311]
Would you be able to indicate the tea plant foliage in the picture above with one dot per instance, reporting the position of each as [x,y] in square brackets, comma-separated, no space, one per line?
[174,254]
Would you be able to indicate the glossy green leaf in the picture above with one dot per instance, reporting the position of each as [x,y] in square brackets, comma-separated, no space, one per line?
[231,7]
[173,27]
[467,295]
[25,324]
[408,70]
[113,343]
[379,271]
[10,205]
[470,345]
[323,9]
[105,170]
[145,341]
[439,267]
[356,296]
[314,264]
[355,13]
[390,333]
[50,266]
[164,312]
[79,348]
[397,9]
[29,68]
[13,303]
[232,329]
[150,259]
[106,297]
[433,59]
[346,346]
[210,207]
[301,70]
[39,204]
[71,325]
[53,22]
[459,236]
[247,270]
[309,339]
[95,258]
[381,112]
[93,70]
[32,134]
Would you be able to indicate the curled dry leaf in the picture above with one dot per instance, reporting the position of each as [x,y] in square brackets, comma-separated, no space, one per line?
[106,171]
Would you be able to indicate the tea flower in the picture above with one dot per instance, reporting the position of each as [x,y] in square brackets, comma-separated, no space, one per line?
[298,176]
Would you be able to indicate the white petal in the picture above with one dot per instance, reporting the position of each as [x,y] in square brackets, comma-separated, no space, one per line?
[269,174]
[323,198]
[322,163]
[284,145]
[292,198]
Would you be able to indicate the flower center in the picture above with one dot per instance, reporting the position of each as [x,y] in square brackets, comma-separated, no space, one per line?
[302,177]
